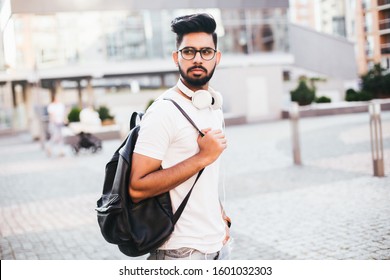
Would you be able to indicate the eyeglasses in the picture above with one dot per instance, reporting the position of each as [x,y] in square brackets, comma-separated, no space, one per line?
[189,53]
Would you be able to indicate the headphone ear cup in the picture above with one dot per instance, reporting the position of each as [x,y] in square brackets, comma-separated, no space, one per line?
[217,100]
[202,99]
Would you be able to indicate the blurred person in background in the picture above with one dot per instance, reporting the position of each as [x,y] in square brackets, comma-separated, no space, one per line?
[56,111]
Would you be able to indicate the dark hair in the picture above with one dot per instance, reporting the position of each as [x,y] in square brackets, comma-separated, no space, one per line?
[193,23]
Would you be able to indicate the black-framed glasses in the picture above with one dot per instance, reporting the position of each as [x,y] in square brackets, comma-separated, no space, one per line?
[189,53]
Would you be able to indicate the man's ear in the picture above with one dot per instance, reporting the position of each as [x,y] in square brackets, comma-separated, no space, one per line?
[218,54]
[175,57]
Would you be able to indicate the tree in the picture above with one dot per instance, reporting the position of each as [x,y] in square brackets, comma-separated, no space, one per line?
[377,82]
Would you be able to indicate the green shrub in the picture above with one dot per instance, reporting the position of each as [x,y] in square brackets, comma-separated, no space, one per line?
[352,95]
[104,113]
[365,95]
[74,114]
[377,82]
[303,94]
[323,99]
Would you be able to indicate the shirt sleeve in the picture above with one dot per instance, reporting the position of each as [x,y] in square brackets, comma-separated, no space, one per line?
[156,132]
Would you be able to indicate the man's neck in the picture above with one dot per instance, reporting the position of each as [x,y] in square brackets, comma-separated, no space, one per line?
[189,87]
[182,93]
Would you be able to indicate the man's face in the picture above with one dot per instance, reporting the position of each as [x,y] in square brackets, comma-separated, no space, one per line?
[196,72]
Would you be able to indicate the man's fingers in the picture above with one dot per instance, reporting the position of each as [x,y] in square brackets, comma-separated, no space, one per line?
[206,130]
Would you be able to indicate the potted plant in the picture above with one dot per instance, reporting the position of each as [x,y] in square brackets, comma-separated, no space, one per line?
[105,116]
[74,115]
[303,94]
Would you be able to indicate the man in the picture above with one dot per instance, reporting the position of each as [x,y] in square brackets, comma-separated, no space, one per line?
[168,140]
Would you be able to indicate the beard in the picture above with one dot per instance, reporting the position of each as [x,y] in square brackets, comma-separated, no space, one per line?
[196,82]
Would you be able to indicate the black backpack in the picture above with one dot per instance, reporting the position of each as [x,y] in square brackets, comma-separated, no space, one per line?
[137,228]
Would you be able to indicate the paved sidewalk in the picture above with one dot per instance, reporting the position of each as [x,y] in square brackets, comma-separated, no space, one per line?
[331,207]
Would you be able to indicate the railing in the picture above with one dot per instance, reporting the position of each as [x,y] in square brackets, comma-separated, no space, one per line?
[383,2]
[384,24]
[385,48]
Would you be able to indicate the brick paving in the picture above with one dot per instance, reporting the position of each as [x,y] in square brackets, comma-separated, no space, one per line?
[331,207]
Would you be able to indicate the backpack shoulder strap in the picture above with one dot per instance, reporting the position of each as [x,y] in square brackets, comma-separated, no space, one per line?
[133,119]
[180,209]
[185,115]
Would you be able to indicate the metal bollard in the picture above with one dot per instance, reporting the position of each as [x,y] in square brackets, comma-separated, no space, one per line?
[294,117]
[376,139]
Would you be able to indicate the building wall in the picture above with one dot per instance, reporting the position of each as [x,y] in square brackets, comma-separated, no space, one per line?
[363,22]
[356,32]
[384,31]
[303,12]
[252,86]
[332,17]
[322,53]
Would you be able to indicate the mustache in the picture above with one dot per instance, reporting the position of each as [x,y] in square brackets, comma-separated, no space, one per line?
[197,67]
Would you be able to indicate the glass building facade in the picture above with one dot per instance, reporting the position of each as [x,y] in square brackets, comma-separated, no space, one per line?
[59,39]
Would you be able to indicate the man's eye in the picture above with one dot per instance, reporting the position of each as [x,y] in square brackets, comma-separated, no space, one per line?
[206,51]
[188,51]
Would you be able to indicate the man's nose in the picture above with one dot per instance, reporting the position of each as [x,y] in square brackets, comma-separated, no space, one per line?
[198,58]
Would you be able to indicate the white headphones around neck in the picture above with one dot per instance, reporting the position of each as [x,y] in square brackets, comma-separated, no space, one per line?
[202,99]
